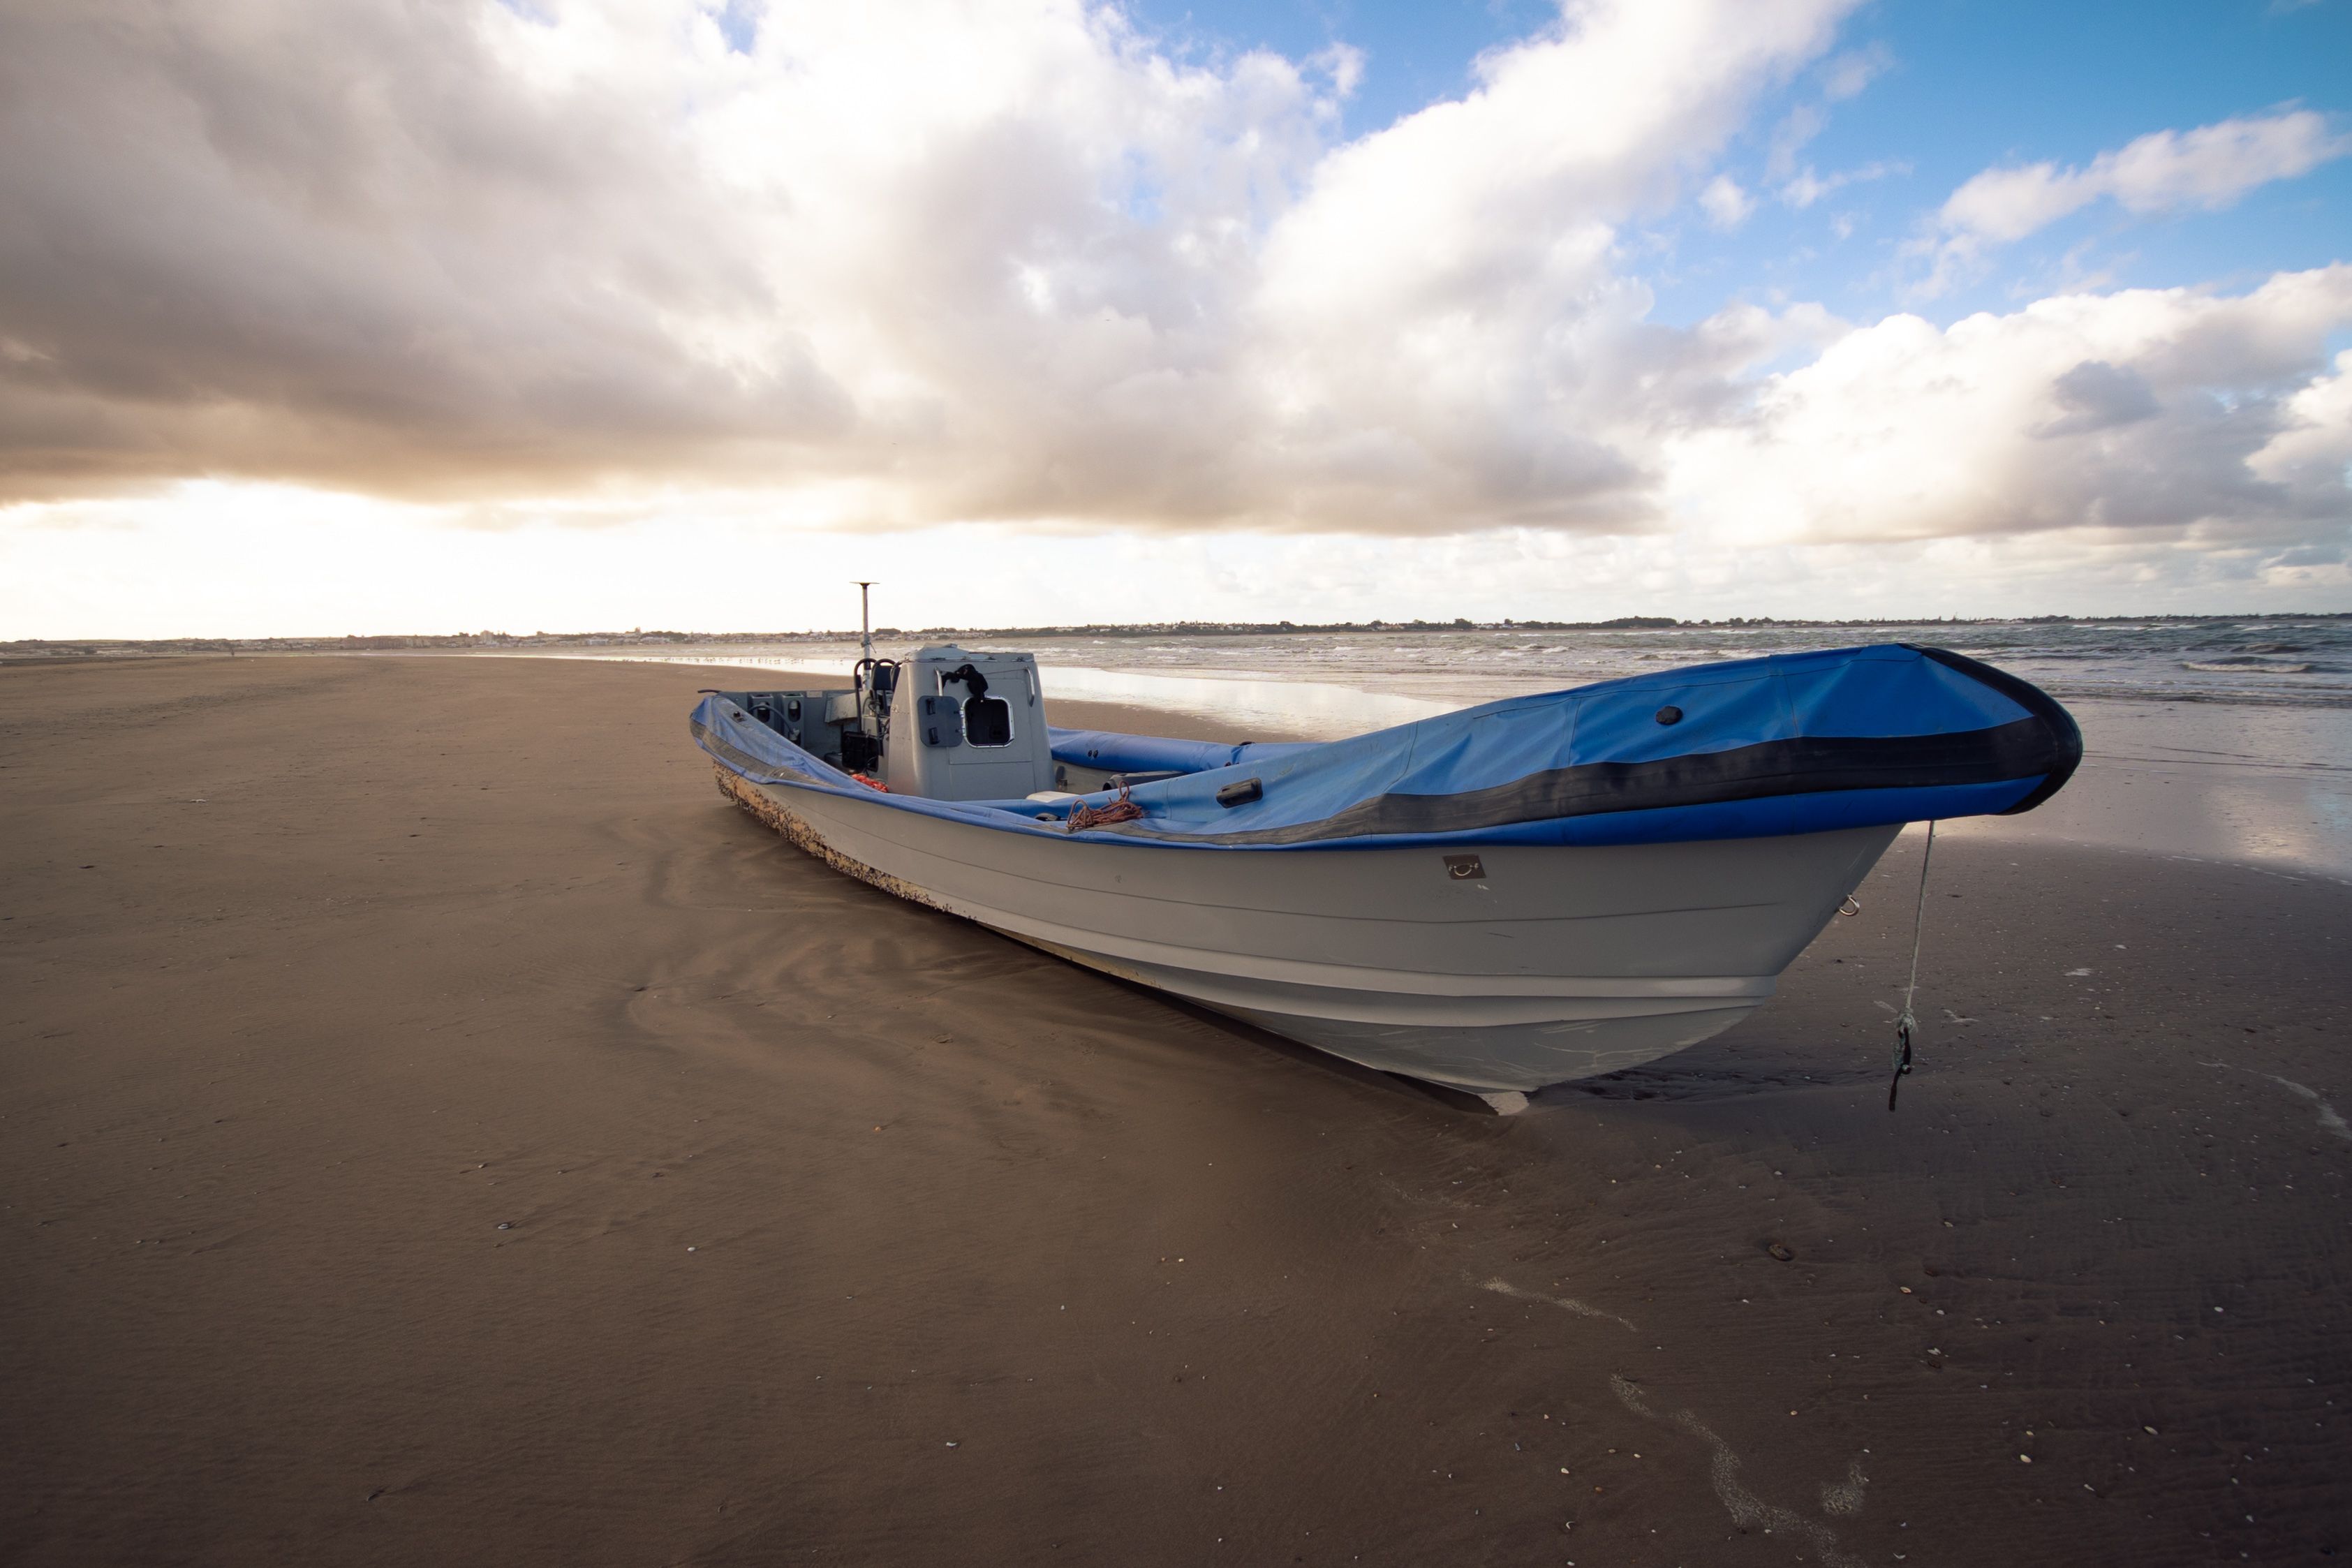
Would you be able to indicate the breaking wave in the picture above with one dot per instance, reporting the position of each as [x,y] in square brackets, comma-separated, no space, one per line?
[2246,667]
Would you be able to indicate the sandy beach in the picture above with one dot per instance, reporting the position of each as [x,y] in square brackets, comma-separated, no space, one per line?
[436,1128]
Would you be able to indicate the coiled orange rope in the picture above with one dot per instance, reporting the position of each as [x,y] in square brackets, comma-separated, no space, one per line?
[1120,810]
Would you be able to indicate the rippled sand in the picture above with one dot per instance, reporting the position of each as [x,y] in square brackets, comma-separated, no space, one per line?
[435,1127]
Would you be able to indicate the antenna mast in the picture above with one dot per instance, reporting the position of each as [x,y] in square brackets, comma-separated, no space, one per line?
[864,623]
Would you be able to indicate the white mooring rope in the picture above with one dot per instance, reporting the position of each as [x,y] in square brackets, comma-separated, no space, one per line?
[1905,1025]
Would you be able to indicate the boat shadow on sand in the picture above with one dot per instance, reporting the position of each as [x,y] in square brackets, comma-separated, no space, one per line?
[1711,1070]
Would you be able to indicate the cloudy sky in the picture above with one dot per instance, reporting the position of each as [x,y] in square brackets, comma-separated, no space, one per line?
[377,315]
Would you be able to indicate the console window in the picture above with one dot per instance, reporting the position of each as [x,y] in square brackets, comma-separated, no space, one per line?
[988,721]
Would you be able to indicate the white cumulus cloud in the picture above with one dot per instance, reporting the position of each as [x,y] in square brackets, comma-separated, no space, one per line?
[1725,203]
[2157,413]
[2210,167]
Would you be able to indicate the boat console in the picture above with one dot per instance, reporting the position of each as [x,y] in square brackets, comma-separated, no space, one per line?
[945,723]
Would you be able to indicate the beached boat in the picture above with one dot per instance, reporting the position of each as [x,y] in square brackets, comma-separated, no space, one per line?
[1520,893]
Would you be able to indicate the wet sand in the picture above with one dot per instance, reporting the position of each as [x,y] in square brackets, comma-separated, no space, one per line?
[2244,783]
[838,1230]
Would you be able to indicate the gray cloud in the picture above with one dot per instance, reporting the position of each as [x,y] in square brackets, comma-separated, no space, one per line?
[1014,269]
[334,243]
[2096,396]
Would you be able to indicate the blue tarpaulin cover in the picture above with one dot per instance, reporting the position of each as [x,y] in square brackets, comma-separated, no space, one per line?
[1750,748]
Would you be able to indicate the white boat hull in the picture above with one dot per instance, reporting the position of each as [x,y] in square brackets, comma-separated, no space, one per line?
[1554,963]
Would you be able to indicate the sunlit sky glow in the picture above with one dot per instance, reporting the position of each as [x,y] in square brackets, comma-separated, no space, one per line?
[357,316]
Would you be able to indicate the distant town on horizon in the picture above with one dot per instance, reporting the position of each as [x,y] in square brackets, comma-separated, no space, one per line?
[88,647]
